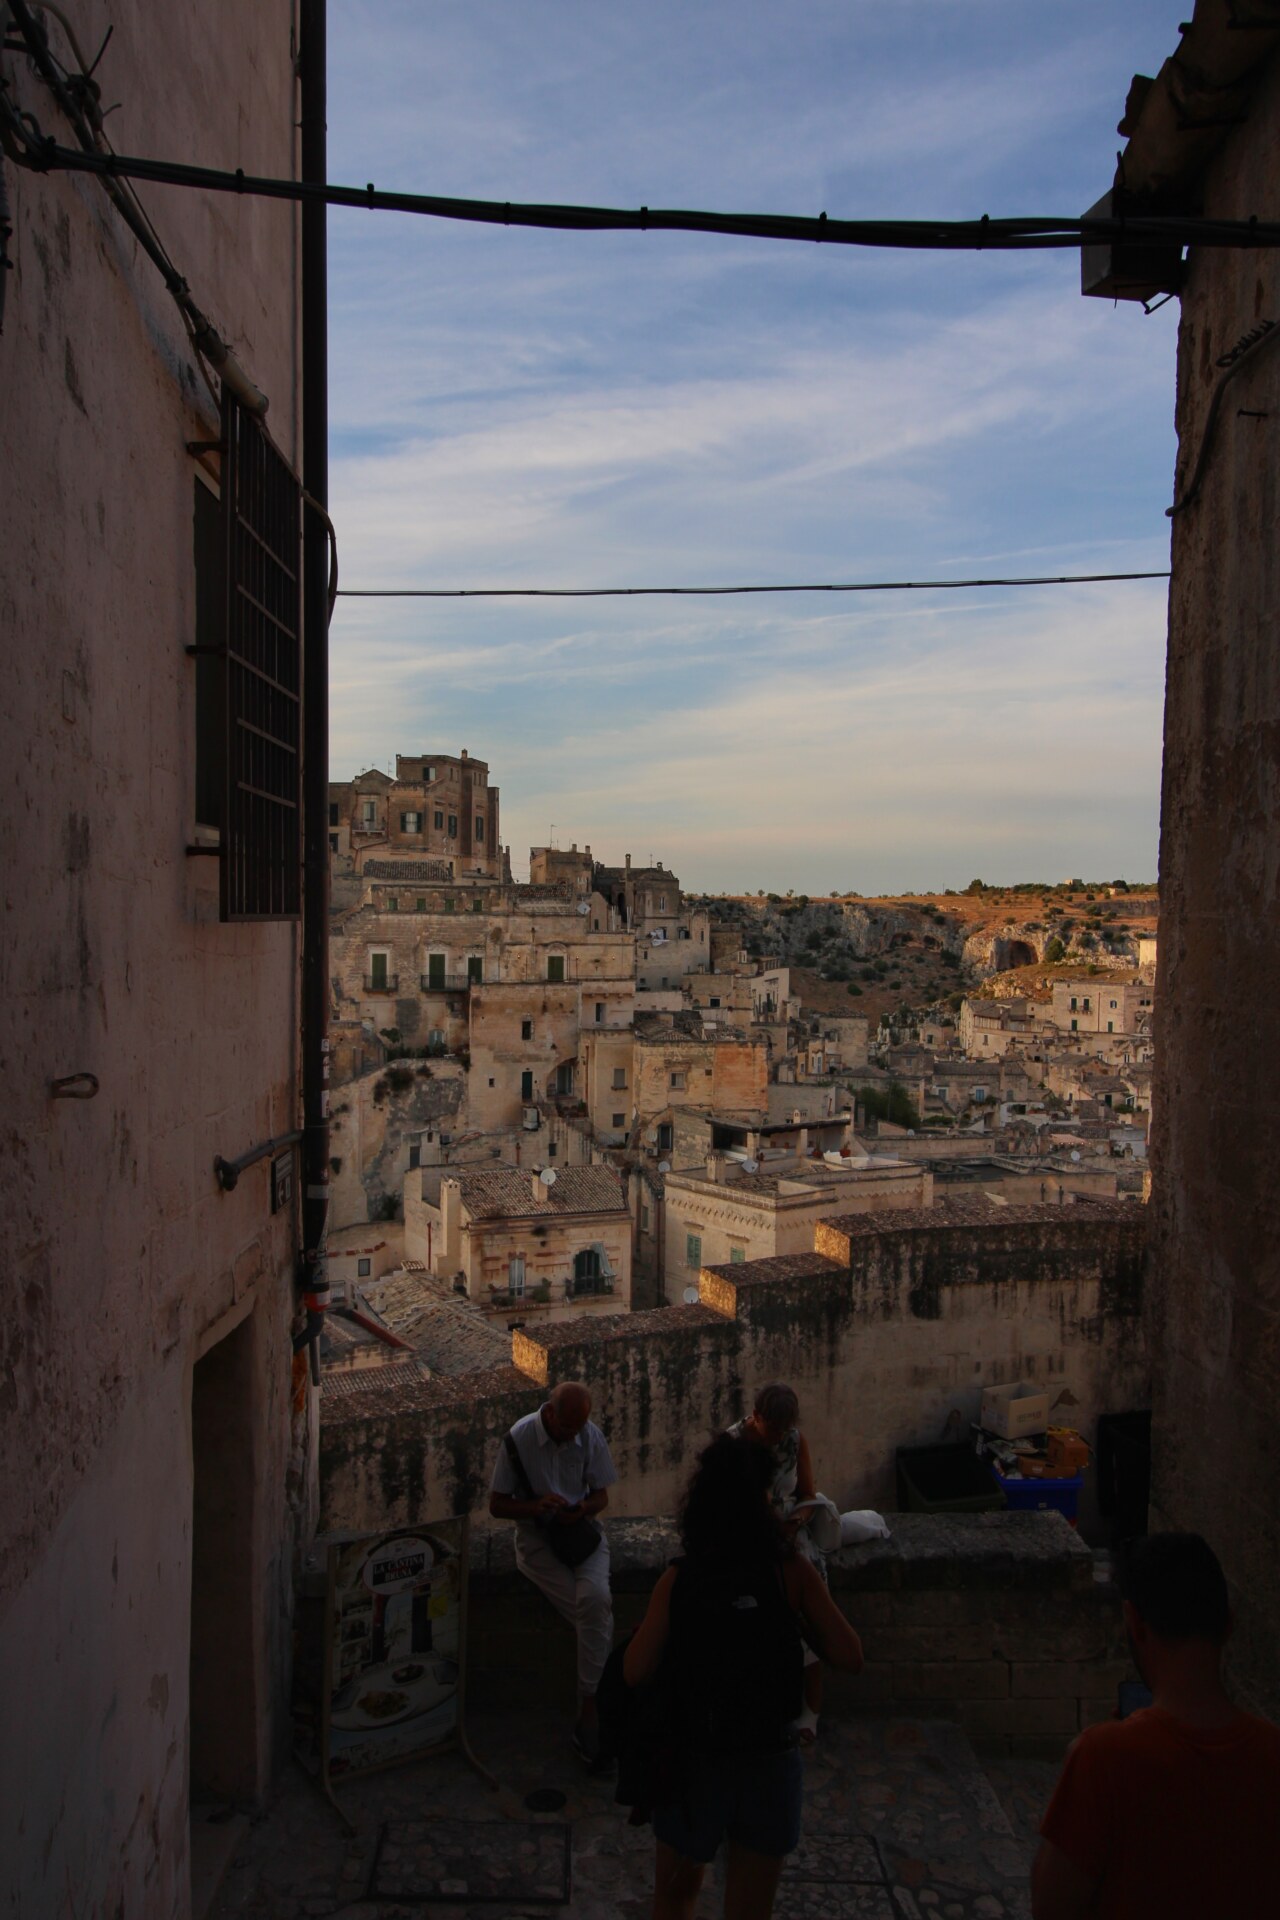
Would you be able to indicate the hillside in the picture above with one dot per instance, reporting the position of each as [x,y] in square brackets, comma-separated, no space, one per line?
[872,955]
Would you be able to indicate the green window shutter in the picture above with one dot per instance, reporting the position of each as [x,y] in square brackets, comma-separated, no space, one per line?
[693,1249]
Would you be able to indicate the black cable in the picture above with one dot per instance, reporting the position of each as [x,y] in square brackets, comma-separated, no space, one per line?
[983,235]
[21,143]
[811,586]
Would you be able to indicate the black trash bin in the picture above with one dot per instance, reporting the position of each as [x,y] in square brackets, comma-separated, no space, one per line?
[946,1479]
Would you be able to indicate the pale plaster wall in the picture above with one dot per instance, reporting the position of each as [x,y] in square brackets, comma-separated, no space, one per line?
[605,1055]
[724,1075]
[124,1253]
[548,1249]
[727,1219]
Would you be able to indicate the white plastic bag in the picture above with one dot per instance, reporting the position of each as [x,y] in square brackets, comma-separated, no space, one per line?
[823,1523]
[862,1523]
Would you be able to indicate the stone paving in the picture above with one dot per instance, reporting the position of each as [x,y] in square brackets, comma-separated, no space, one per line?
[901,1823]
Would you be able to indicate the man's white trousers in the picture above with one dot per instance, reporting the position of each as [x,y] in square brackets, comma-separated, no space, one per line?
[579,1594]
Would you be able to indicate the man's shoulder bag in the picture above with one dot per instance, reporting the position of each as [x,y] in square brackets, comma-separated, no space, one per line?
[571,1543]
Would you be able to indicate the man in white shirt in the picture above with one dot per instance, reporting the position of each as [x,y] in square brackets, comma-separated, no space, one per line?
[552,1478]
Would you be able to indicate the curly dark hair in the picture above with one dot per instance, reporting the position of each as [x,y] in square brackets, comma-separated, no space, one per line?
[725,1513]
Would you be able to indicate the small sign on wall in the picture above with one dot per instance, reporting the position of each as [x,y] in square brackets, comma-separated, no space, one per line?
[282,1180]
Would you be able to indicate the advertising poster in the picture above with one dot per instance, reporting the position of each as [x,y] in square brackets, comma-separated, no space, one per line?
[394,1647]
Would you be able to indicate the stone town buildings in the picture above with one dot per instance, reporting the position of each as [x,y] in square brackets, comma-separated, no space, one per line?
[544,1244]
[689,1065]
[730,1211]
[1101,1006]
[156,1425]
[155,1421]
[541,1045]
[438,809]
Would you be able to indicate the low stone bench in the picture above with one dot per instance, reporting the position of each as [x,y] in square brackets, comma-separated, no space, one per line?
[993,1620]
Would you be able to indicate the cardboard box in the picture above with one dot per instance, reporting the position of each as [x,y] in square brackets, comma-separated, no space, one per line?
[1014,1412]
[1068,1451]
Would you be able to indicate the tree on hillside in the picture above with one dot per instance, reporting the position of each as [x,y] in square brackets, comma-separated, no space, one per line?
[892,1103]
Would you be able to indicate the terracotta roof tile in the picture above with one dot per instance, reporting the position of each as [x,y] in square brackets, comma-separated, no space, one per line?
[495,1193]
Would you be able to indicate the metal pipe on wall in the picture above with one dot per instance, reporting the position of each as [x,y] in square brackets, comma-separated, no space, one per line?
[312,74]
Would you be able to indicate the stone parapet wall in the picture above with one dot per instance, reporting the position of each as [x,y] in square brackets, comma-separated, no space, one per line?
[992,1620]
[889,1339]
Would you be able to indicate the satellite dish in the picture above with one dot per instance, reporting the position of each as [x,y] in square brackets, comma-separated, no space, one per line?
[691,1296]
[651,1137]
[548,1176]
[1075,1153]
[664,1166]
[751,1166]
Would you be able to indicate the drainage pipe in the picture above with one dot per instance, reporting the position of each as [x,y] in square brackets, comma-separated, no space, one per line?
[314,1277]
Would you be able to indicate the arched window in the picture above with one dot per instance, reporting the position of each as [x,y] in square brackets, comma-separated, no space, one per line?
[588,1271]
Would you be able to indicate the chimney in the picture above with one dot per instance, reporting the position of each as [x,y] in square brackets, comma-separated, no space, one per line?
[715,1168]
[802,1144]
[628,863]
[539,1191]
[464,753]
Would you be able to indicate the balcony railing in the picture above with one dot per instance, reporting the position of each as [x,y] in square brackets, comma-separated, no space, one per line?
[544,1293]
[588,1289]
[389,983]
[449,982]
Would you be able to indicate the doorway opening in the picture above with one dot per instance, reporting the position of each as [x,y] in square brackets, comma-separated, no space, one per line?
[223,1756]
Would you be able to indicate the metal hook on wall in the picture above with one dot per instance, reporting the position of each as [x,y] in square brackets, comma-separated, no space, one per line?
[74,1086]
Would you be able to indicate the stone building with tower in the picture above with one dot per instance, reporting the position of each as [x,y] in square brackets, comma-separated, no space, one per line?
[437,809]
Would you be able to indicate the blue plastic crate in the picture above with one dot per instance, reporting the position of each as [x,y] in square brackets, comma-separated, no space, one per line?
[1030,1495]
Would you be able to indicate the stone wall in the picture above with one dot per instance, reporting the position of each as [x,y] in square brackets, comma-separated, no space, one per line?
[148,1312]
[889,1335]
[993,1620]
[1215,1297]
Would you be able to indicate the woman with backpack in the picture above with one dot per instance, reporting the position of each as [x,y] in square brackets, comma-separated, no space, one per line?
[723,1641]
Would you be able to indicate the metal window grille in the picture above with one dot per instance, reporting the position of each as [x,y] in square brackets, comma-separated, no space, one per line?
[261,852]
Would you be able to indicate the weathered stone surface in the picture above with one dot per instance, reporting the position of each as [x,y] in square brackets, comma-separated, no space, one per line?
[1015,1716]
[1214,1215]
[951,1680]
[1046,1679]
[918,1314]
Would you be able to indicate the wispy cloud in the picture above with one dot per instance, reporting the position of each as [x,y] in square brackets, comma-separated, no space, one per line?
[540,409]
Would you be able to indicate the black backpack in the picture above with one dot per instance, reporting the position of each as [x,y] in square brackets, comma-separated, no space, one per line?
[735,1657]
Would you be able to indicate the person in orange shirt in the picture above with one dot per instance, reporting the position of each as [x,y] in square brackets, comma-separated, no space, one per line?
[1171,1812]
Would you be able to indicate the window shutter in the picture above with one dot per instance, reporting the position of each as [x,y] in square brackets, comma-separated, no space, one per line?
[261,849]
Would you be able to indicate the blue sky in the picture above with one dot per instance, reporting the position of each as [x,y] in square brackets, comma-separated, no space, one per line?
[518,408]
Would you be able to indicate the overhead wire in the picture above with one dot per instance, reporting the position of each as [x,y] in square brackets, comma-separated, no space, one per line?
[982,235]
[78,95]
[792,586]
